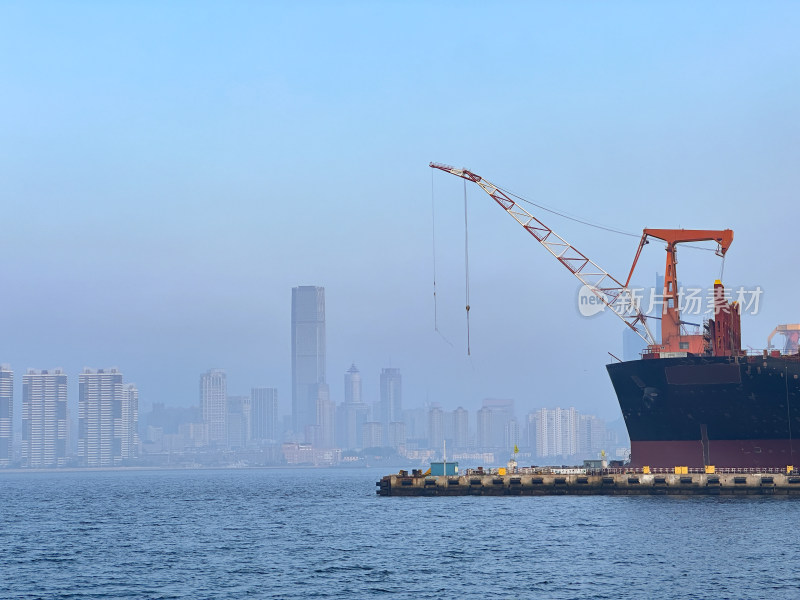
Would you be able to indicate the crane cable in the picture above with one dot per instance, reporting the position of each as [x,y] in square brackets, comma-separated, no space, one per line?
[433,235]
[466,260]
[582,222]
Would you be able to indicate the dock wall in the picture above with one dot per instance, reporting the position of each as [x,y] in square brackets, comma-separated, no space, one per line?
[588,485]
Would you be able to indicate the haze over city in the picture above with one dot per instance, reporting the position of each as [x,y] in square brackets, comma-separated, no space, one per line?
[171,173]
[235,358]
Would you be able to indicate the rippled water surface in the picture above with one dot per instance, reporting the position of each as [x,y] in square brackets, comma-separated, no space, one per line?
[325,534]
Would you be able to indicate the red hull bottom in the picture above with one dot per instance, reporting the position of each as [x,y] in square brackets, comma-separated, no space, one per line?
[751,454]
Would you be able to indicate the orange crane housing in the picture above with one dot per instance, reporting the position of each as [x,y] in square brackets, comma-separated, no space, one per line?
[723,336]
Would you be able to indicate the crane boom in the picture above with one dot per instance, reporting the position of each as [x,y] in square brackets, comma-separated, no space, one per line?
[611,292]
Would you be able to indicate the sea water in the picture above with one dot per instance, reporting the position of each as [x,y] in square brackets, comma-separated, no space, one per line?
[315,533]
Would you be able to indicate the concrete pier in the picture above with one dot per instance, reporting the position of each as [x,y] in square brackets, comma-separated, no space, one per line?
[590,484]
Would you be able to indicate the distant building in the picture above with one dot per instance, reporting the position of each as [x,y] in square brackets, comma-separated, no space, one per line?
[238,421]
[512,434]
[391,402]
[373,435]
[632,344]
[107,418]
[354,411]
[592,434]
[493,418]
[565,432]
[548,432]
[529,433]
[416,420]
[130,421]
[352,386]
[44,418]
[484,432]
[308,354]
[397,435]
[324,430]
[194,435]
[6,415]
[214,402]
[264,414]
[435,428]
[460,429]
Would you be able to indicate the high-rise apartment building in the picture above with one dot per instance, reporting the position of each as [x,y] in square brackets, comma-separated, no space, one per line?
[214,402]
[391,402]
[308,355]
[44,418]
[556,431]
[107,418]
[6,415]
[264,414]
[130,421]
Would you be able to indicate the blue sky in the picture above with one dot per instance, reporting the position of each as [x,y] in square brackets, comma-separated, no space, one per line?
[171,170]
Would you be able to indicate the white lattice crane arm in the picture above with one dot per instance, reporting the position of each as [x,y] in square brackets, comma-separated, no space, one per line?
[614,294]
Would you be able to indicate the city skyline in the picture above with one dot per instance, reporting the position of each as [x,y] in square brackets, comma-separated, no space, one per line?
[109,427]
[153,181]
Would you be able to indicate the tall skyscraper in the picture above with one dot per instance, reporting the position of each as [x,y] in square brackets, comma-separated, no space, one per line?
[264,414]
[308,354]
[106,410]
[44,418]
[391,403]
[214,402]
[6,415]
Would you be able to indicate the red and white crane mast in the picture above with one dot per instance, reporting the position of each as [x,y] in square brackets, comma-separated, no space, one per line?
[614,294]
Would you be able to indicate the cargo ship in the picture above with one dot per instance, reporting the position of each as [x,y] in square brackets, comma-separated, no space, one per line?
[699,399]
[714,404]
[694,400]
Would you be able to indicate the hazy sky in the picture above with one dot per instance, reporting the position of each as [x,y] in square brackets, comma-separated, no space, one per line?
[170,170]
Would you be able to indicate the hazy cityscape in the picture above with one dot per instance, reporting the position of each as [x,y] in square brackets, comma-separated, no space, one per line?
[409,300]
[364,428]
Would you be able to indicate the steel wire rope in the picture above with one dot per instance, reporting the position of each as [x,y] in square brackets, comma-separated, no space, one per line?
[466,261]
[585,222]
[433,235]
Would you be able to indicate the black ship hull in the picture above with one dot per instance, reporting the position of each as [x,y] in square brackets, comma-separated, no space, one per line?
[724,411]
